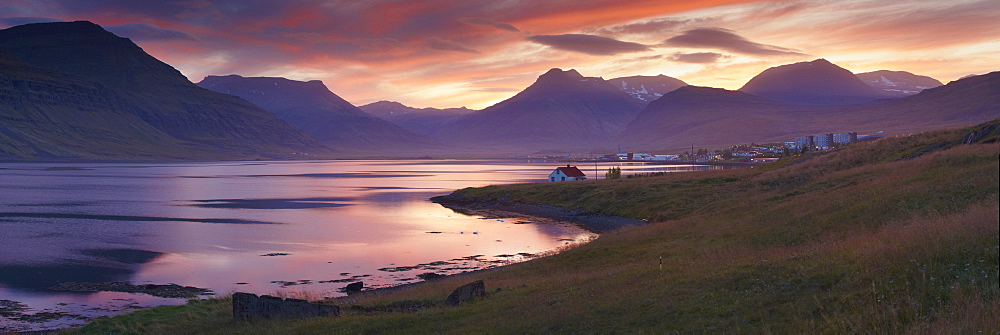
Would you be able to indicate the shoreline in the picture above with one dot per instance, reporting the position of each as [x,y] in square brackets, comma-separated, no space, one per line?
[499,208]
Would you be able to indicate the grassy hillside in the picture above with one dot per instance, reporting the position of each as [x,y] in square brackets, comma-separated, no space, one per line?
[894,236]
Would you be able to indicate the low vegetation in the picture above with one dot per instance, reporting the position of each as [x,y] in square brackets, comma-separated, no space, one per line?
[894,236]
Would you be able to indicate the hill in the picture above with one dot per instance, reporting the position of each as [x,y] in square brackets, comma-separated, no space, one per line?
[311,106]
[710,116]
[896,236]
[965,101]
[45,114]
[647,88]
[561,110]
[425,121]
[211,123]
[898,84]
[707,116]
[818,82]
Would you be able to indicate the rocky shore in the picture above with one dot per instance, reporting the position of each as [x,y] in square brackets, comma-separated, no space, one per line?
[501,208]
[163,291]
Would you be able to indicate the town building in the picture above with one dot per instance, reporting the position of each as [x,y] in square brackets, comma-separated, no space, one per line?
[567,173]
[845,138]
[804,142]
[823,141]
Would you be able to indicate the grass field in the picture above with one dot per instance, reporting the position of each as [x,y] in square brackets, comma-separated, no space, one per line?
[894,236]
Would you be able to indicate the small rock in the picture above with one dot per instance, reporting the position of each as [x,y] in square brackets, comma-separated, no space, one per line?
[466,292]
[248,306]
[354,287]
[429,275]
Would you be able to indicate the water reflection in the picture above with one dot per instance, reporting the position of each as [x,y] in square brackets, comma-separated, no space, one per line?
[259,227]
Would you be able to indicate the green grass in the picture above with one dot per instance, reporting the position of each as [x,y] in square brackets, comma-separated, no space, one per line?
[870,238]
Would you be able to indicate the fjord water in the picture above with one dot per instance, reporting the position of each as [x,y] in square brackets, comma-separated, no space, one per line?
[303,228]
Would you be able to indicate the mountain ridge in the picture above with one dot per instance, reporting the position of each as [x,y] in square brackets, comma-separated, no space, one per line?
[312,107]
[561,109]
[213,124]
[898,83]
[817,82]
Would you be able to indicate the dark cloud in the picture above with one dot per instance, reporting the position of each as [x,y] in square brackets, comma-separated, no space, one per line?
[588,44]
[649,27]
[148,32]
[697,57]
[724,39]
[476,21]
[17,21]
[435,43]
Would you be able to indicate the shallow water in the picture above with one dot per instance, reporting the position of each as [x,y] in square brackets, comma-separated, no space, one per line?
[305,228]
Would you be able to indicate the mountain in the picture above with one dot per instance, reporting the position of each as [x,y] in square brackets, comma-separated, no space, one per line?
[713,117]
[647,88]
[311,106]
[561,110]
[425,121]
[963,102]
[706,116]
[818,82]
[45,114]
[898,83]
[209,124]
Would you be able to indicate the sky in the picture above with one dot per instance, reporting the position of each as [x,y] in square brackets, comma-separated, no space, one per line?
[476,53]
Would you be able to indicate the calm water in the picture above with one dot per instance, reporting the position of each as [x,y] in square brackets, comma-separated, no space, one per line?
[292,228]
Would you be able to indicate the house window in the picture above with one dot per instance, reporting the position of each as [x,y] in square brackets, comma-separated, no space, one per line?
[563,178]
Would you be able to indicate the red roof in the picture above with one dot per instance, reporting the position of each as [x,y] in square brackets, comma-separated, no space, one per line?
[571,171]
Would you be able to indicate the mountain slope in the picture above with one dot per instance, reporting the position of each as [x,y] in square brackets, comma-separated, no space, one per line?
[898,83]
[311,106]
[157,93]
[709,116]
[959,103]
[818,82]
[424,121]
[562,109]
[46,114]
[713,116]
[647,88]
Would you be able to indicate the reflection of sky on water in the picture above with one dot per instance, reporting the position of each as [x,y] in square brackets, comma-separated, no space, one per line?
[212,222]
[208,225]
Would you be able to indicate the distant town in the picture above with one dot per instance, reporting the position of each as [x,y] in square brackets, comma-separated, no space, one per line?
[744,153]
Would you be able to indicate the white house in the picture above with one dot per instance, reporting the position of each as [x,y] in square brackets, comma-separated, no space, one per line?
[564,173]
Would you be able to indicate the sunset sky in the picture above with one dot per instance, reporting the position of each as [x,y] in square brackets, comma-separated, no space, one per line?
[476,53]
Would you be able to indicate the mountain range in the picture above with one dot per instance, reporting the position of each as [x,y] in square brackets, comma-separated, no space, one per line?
[713,117]
[647,88]
[311,106]
[71,90]
[425,121]
[898,84]
[562,109]
[818,82]
[139,107]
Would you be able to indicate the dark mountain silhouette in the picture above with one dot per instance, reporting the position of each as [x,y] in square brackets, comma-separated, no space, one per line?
[706,116]
[647,88]
[710,116]
[962,102]
[311,106]
[818,82]
[562,109]
[424,121]
[209,123]
[45,114]
[898,83]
